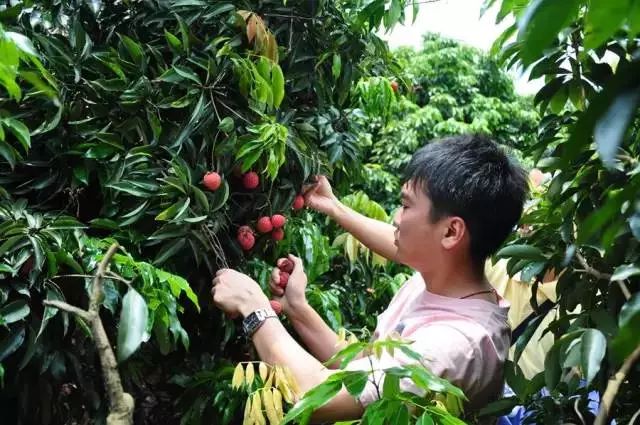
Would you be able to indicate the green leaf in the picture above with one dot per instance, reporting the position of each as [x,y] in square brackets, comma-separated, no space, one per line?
[347,354]
[314,398]
[625,272]
[8,153]
[133,324]
[603,19]
[611,127]
[391,385]
[80,173]
[594,347]
[168,250]
[525,337]
[336,66]
[628,337]
[634,18]
[355,382]
[500,407]
[10,243]
[541,23]
[134,49]
[173,41]
[226,125]
[521,251]
[184,33]
[277,85]
[22,42]
[187,74]
[11,343]
[425,419]
[15,311]
[50,312]
[20,131]
[173,210]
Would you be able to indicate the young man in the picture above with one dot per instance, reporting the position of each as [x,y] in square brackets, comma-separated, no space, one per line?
[461,199]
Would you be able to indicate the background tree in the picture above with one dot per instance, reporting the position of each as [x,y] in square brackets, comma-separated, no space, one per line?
[585,227]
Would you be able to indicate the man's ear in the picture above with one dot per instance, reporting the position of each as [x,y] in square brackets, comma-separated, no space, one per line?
[454,232]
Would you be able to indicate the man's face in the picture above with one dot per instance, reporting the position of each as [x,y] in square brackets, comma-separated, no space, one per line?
[416,237]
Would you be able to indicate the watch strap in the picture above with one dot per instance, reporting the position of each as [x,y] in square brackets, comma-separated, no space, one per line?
[254,320]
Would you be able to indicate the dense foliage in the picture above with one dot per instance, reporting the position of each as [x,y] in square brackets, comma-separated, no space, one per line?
[586,226]
[113,115]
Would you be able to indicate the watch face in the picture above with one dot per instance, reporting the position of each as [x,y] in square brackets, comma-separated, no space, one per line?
[253,321]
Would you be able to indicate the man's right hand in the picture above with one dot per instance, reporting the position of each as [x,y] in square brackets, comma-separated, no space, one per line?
[320,197]
[292,298]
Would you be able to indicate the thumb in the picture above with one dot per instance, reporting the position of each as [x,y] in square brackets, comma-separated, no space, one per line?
[298,267]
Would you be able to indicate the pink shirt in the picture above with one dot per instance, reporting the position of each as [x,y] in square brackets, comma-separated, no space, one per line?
[463,340]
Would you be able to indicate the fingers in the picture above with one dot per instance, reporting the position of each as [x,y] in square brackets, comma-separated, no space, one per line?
[274,283]
[298,267]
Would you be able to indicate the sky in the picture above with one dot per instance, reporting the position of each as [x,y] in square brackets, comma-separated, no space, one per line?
[460,20]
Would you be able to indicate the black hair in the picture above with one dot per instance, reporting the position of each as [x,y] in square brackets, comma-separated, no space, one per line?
[471,177]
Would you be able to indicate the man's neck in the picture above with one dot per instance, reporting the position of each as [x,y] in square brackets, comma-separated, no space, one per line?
[454,282]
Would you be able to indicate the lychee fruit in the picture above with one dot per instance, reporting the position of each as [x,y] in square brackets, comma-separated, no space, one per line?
[251,180]
[276,306]
[277,234]
[264,225]
[245,238]
[394,86]
[286,265]
[298,203]
[212,181]
[278,220]
[284,279]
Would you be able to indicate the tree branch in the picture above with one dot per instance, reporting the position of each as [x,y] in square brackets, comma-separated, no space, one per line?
[614,385]
[600,275]
[121,404]
[96,290]
[590,270]
[69,309]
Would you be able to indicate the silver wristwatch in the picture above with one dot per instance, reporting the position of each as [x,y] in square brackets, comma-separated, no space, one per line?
[253,321]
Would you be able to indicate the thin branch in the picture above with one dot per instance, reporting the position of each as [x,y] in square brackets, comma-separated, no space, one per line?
[109,275]
[614,385]
[68,308]
[590,270]
[235,113]
[94,301]
[604,276]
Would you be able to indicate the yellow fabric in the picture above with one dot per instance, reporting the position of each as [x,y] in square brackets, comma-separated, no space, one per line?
[518,294]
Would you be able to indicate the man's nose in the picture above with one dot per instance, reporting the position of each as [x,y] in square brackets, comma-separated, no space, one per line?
[396,218]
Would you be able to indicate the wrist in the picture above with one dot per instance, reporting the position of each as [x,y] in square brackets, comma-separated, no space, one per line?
[297,311]
[337,210]
[252,305]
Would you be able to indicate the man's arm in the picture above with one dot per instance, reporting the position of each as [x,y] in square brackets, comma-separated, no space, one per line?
[275,346]
[319,338]
[375,235]
[316,335]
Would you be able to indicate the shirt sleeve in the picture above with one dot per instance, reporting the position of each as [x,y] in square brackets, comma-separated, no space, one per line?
[446,351]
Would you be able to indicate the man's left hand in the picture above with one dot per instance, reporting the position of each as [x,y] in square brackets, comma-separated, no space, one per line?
[236,293]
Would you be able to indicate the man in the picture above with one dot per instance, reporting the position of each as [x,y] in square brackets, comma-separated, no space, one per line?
[461,198]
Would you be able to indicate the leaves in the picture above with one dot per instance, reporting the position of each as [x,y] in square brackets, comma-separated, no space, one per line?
[603,18]
[521,251]
[540,25]
[133,324]
[593,350]
[14,311]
